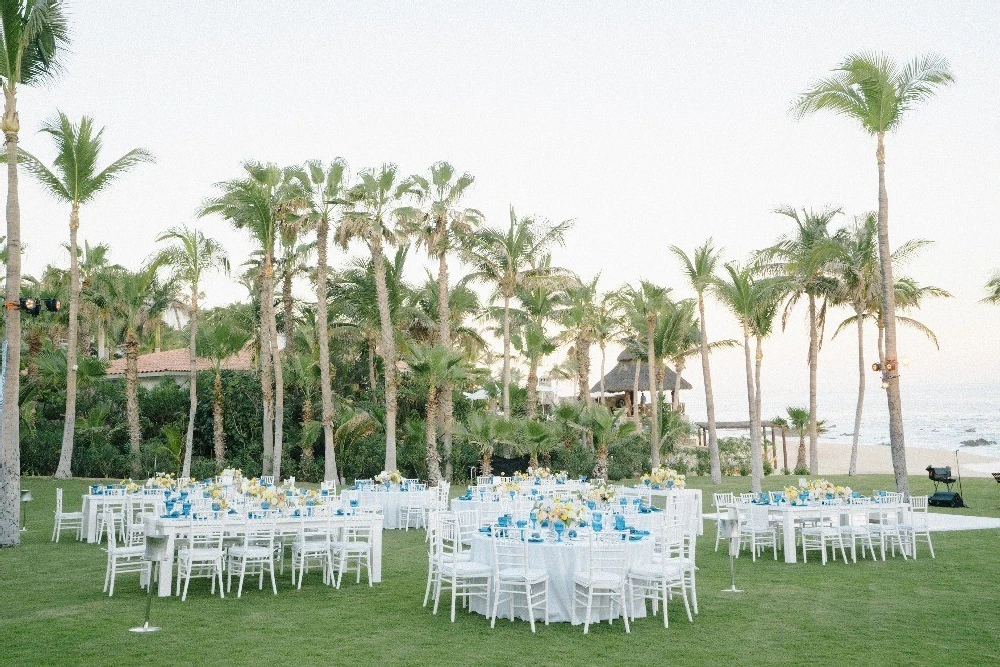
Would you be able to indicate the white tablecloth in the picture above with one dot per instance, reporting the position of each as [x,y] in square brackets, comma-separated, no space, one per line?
[92,504]
[389,502]
[172,528]
[560,560]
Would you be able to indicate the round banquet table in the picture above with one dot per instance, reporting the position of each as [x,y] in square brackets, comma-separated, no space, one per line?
[561,560]
[389,502]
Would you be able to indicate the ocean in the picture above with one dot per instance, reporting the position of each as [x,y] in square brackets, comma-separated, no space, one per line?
[934,416]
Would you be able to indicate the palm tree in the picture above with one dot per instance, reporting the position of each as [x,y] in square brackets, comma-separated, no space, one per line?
[578,317]
[225,336]
[191,254]
[859,288]
[503,257]
[33,36]
[441,226]
[993,289]
[326,187]
[607,428]
[463,306]
[700,269]
[781,423]
[481,431]
[372,202]
[93,260]
[258,204]
[75,180]
[800,421]
[876,92]
[746,296]
[643,306]
[436,367]
[136,299]
[536,438]
[607,327]
[805,258]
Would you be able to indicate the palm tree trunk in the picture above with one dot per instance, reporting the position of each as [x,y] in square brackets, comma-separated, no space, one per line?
[583,368]
[388,352]
[433,460]
[532,388]
[895,401]
[601,464]
[192,381]
[654,421]
[34,349]
[635,394]
[266,363]
[307,412]
[10,451]
[675,395]
[706,372]
[756,465]
[323,338]
[372,379]
[759,462]
[506,355]
[102,341]
[861,393]
[279,397]
[132,401]
[813,363]
[446,397]
[603,354]
[784,448]
[218,430]
[72,334]
[288,305]
[800,462]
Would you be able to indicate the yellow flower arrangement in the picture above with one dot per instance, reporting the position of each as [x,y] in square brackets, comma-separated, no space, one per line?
[604,493]
[540,472]
[389,477]
[129,485]
[667,477]
[567,512]
[162,480]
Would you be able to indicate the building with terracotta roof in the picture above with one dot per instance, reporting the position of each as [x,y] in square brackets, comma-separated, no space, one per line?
[176,364]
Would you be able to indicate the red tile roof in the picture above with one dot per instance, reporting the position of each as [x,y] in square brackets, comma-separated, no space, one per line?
[178,361]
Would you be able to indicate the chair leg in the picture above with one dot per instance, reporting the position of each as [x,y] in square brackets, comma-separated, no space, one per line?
[590,604]
[531,608]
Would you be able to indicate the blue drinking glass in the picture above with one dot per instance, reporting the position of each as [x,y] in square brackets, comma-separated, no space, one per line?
[534,519]
[619,522]
[559,527]
[598,522]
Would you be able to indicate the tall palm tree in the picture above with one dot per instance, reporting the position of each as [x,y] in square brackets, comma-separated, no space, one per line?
[746,296]
[372,203]
[503,257]
[607,327]
[876,92]
[326,189]
[860,289]
[135,298]
[436,367]
[700,270]
[92,261]
[225,336]
[191,254]
[33,36]
[805,258]
[441,225]
[463,306]
[75,180]
[258,204]
[643,306]
[578,317]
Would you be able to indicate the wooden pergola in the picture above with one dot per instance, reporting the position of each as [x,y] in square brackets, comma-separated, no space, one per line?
[745,426]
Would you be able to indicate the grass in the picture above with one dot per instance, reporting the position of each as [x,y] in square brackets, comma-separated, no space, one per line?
[52,610]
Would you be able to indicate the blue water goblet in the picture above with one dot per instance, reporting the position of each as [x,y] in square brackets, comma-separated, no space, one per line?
[534,519]
[559,527]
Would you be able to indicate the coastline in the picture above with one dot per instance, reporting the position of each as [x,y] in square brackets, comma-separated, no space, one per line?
[835,459]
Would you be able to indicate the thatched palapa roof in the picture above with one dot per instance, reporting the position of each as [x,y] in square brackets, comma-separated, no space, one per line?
[622,376]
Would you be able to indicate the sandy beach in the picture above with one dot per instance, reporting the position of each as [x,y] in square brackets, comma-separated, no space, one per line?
[835,458]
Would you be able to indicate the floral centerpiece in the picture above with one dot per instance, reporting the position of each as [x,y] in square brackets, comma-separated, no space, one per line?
[817,489]
[604,493]
[664,477]
[507,486]
[539,473]
[561,477]
[389,477]
[129,485]
[161,480]
[566,511]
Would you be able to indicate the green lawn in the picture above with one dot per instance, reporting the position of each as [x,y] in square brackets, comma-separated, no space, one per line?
[926,611]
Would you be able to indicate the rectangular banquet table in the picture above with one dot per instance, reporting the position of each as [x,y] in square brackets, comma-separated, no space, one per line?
[789,514]
[177,528]
[92,504]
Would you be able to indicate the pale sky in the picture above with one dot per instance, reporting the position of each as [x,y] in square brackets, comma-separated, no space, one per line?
[651,124]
